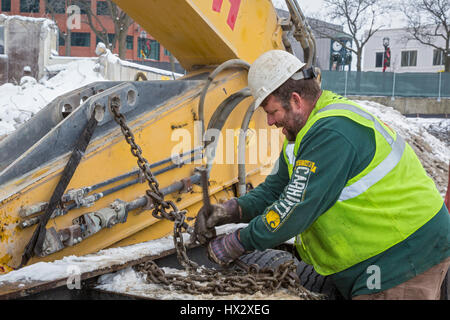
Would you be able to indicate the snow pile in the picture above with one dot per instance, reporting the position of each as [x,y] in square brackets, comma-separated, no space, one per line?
[60,269]
[440,129]
[18,103]
[432,152]
[108,60]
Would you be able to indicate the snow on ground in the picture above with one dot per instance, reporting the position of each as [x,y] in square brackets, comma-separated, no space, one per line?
[18,103]
[437,127]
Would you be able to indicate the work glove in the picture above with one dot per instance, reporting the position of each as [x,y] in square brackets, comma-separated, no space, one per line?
[224,249]
[220,214]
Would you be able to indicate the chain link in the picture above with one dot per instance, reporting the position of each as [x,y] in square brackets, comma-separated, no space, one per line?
[162,209]
[249,280]
[201,280]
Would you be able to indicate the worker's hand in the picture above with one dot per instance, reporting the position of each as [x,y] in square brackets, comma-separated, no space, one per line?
[225,213]
[225,249]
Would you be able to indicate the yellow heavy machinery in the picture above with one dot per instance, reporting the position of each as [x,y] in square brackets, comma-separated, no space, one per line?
[69,184]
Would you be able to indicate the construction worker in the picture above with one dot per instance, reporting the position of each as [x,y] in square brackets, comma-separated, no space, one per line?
[348,188]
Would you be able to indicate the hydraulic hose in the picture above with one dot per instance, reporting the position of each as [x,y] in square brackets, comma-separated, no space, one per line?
[218,120]
[96,196]
[242,189]
[233,63]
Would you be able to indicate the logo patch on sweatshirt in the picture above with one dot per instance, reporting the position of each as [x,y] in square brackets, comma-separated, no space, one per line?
[308,164]
[272,219]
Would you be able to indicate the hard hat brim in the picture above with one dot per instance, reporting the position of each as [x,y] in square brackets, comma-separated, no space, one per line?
[257,102]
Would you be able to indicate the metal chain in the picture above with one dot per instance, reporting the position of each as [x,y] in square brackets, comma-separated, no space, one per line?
[202,280]
[250,280]
[160,205]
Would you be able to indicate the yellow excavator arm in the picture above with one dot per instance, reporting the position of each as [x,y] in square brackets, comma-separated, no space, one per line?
[209,32]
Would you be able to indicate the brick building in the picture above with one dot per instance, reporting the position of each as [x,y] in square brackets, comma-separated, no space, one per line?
[140,45]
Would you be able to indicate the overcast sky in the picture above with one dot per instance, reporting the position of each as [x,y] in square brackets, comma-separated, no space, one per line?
[314,8]
[307,6]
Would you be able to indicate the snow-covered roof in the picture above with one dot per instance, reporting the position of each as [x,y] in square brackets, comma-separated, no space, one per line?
[47,26]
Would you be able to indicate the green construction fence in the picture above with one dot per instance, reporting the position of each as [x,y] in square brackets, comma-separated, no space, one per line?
[433,85]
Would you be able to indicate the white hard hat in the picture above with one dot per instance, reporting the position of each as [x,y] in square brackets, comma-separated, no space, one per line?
[271,70]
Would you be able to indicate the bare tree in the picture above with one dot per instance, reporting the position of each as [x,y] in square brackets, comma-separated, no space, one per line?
[428,22]
[120,19]
[360,21]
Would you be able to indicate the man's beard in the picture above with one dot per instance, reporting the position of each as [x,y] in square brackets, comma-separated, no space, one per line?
[292,124]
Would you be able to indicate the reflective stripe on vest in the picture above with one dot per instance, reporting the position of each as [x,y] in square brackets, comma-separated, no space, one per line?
[389,163]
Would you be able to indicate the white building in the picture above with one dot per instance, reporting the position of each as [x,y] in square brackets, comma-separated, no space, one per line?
[406,55]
